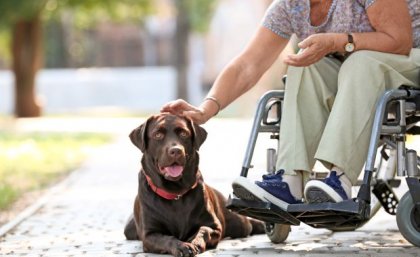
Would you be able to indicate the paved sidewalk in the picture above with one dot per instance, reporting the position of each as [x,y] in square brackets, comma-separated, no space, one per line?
[86,213]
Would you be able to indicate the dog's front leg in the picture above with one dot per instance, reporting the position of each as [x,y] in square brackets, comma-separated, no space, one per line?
[206,237]
[158,243]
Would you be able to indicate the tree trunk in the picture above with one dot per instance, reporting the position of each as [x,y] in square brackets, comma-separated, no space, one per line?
[181,48]
[27,58]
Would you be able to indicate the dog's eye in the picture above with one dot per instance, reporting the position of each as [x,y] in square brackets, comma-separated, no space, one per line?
[184,134]
[158,135]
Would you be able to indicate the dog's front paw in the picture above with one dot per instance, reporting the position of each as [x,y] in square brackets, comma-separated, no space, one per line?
[185,249]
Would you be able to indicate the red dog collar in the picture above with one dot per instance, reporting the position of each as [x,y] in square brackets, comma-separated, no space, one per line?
[165,194]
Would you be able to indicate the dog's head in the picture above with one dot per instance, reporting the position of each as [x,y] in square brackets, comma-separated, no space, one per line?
[169,144]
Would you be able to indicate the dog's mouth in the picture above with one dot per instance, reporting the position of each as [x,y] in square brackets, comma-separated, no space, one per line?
[172,172]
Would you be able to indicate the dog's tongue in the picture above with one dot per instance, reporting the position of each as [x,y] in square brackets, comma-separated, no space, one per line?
[174,171]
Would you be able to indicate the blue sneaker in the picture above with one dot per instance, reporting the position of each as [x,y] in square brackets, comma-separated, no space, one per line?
[329,189]
[271,188]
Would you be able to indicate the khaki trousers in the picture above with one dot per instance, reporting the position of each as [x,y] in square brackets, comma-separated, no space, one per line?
[329,108]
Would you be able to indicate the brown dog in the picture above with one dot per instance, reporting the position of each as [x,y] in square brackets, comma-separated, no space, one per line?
[175,212]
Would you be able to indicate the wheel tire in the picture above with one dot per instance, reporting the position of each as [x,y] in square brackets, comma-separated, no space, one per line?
[277,233]
[408,220]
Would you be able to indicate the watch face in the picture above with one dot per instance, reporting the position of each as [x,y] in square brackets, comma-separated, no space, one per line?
[349,47]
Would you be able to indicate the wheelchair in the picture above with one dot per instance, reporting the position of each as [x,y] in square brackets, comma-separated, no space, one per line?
[388,160]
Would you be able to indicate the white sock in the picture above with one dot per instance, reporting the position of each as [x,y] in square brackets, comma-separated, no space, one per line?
[345,181]
[295,184]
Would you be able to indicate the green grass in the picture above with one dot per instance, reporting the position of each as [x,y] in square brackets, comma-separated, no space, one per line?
[31,161]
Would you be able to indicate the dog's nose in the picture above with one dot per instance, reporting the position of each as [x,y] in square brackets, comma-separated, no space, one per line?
[175,151]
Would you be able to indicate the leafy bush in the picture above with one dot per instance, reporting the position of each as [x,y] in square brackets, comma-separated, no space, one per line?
[32,161]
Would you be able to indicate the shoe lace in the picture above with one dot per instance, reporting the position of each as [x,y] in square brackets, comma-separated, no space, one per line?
[277,175]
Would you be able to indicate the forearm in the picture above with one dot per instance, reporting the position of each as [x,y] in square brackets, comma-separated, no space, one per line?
[243,72]
[382,42]
[232,82]
[375,41]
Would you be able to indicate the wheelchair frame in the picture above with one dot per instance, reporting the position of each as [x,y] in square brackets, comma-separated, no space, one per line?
[397,113]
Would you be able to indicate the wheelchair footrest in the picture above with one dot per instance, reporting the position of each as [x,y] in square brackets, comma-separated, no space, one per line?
[264,211]
[346,215]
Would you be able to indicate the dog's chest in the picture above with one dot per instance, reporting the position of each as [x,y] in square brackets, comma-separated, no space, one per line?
[180,218]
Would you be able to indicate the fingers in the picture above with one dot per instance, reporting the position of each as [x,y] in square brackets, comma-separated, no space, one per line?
[176,107]
[305,43]
[313,49]
[168,107]
[306,57]
[181,107]
[300,61]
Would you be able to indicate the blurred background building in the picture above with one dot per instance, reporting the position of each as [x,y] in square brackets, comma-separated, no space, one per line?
[115,67]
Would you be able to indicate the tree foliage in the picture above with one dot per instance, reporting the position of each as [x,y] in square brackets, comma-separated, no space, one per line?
[197,12]
[13,11]
[200,13]
[23,19]
[88,12]
[85,13]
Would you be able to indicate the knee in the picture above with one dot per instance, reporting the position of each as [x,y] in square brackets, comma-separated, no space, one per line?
[359,65]
[293,71]
[359,60]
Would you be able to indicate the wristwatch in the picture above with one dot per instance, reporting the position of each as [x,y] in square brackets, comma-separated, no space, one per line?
[349,47]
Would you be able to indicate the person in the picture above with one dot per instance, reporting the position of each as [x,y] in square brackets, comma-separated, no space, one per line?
[350,53]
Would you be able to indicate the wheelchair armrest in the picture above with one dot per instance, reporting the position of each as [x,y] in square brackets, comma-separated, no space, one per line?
[272,103]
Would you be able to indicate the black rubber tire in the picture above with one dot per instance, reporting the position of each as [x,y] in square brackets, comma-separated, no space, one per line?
[408,219]
[277,233]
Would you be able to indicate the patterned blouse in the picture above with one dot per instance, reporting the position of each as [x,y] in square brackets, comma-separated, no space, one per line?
[287,17]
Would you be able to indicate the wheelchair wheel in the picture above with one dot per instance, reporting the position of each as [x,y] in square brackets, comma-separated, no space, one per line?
[408,219]
[277,233]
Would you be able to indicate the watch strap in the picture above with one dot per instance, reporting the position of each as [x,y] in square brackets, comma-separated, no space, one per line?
[350,46]
[350,38]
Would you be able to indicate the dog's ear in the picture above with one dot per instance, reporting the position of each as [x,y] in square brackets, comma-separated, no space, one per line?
[139,136]
[199,134]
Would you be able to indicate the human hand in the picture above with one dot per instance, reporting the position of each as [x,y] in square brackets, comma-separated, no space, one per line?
[314,48]
[181,107]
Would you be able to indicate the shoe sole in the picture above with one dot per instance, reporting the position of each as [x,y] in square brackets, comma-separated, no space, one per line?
[244,189]
[318,192]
